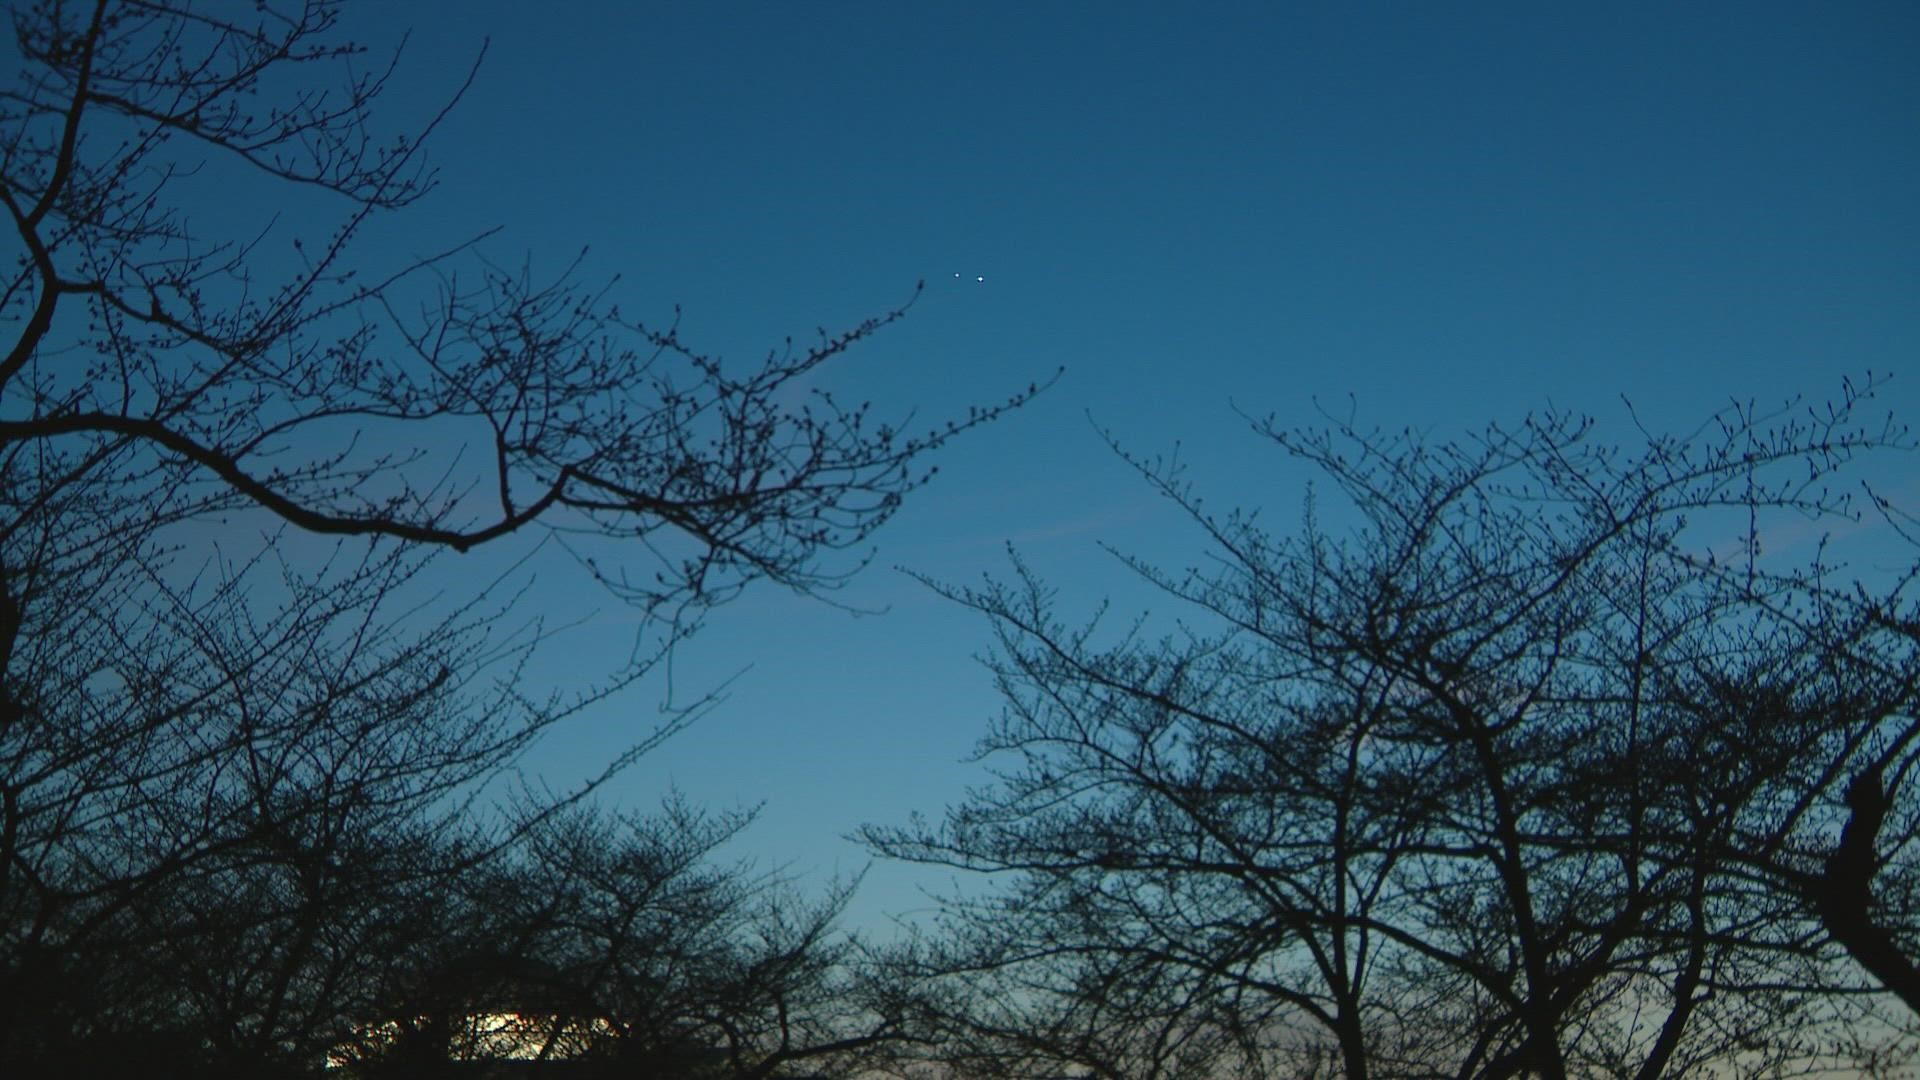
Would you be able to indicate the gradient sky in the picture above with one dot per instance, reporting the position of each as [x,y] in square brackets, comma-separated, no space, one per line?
[1431,215]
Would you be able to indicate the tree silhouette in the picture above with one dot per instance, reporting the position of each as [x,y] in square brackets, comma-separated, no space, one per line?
[625,944]
[166,362]
[236,777]
[1533,774]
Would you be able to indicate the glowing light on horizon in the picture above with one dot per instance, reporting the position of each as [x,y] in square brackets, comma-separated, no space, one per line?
[483,1037]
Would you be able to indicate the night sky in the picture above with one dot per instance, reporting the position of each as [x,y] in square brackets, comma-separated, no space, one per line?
[1421,215]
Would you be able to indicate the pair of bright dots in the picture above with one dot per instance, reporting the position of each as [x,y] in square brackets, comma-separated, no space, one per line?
[979,277]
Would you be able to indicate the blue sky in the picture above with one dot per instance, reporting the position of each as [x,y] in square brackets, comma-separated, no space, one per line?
[1433,215]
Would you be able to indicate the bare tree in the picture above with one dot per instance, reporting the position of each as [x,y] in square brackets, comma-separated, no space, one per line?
[624,943]
[213,803]
[174,361]
[232,776]
[1531,775]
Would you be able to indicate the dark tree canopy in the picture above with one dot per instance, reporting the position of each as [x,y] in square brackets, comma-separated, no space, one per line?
[243,780]
[1547,768]
[625,945]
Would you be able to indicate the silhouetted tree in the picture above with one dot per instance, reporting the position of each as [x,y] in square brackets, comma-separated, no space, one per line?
[214,805]
[624,944]
[1545,770]
[232,776]
[201,373]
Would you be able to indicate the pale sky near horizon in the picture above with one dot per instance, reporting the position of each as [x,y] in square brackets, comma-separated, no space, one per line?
[1431,215]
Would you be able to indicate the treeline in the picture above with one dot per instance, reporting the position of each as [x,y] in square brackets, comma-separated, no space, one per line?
[1546,761]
